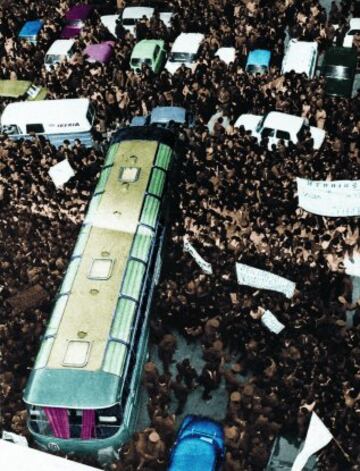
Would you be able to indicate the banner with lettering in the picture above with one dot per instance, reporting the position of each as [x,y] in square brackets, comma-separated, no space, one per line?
[205,266]
[329,198]
[263,279]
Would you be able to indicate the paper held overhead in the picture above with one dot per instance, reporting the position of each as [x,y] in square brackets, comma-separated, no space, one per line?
[263,279]
[61,172]
[318,436]
[271,322]
[205,266]
[329,198]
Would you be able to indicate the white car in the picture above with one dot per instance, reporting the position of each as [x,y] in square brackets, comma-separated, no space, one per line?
[276,126]
[131,15]
[60,50]
[354,29]
[184,51]
[301,57]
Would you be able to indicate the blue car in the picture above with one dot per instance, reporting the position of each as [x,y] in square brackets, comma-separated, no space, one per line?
[31,30]
[258,61]
[199,445]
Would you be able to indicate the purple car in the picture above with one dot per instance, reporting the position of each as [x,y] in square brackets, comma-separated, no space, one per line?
[74,19]
[99,52]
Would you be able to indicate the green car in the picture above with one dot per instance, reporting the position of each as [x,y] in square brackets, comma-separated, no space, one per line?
[339,68]
[150,52]
[22,88]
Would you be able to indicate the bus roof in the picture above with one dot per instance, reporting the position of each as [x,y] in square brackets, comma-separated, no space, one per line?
[48,112]
[85,350]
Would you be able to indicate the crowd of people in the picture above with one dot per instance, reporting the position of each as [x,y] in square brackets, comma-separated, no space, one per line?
[234,199]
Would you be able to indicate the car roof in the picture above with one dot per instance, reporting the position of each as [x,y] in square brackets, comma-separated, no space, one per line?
[298,56]
[259,57]
[31,27]
[164,114]
[187,42]
[345,56]
[354,23]
[79,12]
[283,121]
[60,46]
[137,12]
[145,48]
[193,453]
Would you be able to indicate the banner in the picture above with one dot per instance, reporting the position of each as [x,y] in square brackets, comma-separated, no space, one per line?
[263,279]
[271,322]
[205,266]
[318,436]
[329,198]
[61,172]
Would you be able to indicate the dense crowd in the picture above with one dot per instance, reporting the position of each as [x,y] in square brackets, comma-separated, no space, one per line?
[235,200]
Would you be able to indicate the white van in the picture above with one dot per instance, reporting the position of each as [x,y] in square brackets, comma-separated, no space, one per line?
[301,57]
[60,50]
[354,28]
[184,51]
[56,120]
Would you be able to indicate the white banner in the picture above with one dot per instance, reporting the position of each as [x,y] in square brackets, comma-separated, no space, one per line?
[271,322]
[318,436]
[329,198]
[263,279]
[205,266]
[61,172]
[352,266]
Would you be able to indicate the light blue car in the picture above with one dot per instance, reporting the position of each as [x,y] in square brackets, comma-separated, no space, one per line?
[258,61]
[163,115]
[199,445]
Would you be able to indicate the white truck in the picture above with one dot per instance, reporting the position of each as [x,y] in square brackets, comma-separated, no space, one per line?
[276,125]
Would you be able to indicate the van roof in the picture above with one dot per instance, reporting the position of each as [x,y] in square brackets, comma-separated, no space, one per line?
[47,111]
[137,12]
[60,46]
[145,48]
[187,42]
[298,56]
[283,121]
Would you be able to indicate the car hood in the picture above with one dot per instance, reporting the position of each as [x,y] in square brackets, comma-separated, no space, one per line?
[318,135]
[249,121]
[337,87]
[172,67]
[165,16]
[109,21]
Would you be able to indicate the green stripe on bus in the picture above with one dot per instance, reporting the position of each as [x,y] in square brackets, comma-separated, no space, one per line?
[123,321]
[81,241]
[110,157]
[103,180]
[133,279]
[115,357]
[163,156]
[56,315]
[157,182]
[44,353]
[150,211]
[142,243]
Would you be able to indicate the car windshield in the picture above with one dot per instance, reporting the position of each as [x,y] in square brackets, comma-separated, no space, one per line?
[128,21]
[181,57]
[53,58]
[353,32]
[338,71]
[256,69]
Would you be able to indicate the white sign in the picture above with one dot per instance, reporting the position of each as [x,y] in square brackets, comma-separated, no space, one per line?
[329,198]
[205,266]
[318,436]
[271,322]
[14,438]
[263,279]
[352,266]
[61,172]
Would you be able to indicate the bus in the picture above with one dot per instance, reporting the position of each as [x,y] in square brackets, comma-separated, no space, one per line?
[82,393]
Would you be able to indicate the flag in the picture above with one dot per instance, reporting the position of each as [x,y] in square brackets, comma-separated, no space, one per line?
[318,436]
[61,172]
[205,266]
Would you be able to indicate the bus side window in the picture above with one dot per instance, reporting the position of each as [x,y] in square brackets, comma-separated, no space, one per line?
[36,128]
